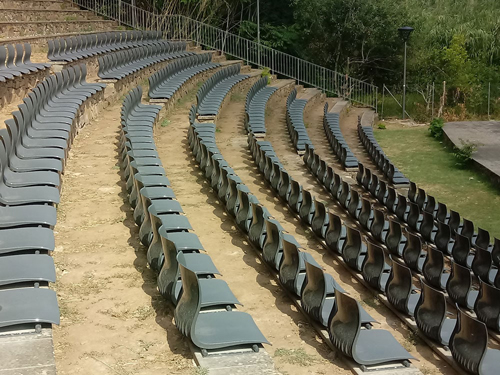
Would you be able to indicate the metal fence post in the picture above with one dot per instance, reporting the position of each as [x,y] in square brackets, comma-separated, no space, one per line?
[489,99]
[383,101]
[433,91]
[119,12]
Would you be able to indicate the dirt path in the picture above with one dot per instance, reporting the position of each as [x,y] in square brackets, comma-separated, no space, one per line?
[113,321]
[280,140]
[349,128]
[296,348]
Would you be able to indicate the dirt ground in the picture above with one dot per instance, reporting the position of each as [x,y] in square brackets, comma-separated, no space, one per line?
[113,320]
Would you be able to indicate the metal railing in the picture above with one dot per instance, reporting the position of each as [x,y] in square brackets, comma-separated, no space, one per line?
[180,27]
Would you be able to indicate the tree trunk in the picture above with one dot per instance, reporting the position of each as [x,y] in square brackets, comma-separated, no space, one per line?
[442,101]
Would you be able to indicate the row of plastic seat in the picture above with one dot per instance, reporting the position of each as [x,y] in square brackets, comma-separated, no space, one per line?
[205,307]
[33,150]
[70,49]
[331,124]
[295,121]
[118,65]
[211,95]
[255,106]
[165,83]
[339,237]
[378,157]
[377,266]
[456,280]
[450,237]
[17,62]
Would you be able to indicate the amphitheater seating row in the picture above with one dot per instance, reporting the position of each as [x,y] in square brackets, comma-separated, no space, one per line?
[457,281]
[313,295]
[378,157]
[442,231]
[331,124]
[295,121]
[165,83]
[379,267]
[211,95]
[255,106]
[118,65]
[408,248]
[70,49]
[15,60]
[33,149]
[174,252]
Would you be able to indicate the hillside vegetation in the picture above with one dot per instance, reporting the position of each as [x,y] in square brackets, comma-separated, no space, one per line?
[457,41]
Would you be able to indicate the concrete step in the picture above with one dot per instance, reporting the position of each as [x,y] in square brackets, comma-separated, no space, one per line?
[36,4]
[20,29]
[37,15]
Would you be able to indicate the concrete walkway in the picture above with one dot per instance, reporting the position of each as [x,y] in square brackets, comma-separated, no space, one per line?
[486,134]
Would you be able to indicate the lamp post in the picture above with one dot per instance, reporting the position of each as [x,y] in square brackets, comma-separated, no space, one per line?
[404,33]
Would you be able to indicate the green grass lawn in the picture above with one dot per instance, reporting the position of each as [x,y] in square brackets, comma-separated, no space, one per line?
[431,165]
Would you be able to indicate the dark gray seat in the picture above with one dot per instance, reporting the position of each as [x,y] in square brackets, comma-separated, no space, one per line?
[400,290]
[459,286]
[376,266]
[469,346]
[28,306]
[27,268]
[364,346]
[430,315]
[212,329]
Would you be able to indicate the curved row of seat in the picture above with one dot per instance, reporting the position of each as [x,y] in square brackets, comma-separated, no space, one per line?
[405,254]
[70,49]
[118,65]
[331,124]
[205,307]
[33,150]
[15,60]
[313,295]
[255,106]
[378,157]
[165,83]
[378,265]
[447,235]
[295,121]
[211,95]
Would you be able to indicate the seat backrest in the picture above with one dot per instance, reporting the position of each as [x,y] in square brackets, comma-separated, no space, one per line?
[334,232]
[373,265]
[430,312]
[378,224]
[313,292]
[433,267]
[442,212]
[319,218]
[391,198]
[295,197]
[412,251]
[273,243]
[394,237]
[443,234]
[352,247]
[469,342]
[459,284]
[420,199]
[483,239]
[188,306]
[365,213]
[344,323]
[482,264]
[290,266]
[487,306]
[461,249]
[399,287]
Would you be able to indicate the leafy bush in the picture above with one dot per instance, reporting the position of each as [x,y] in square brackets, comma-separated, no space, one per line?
[381,126]
[266,72]
[464,153]
[436,128]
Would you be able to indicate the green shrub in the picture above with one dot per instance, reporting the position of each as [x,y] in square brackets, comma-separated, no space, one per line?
[381,126]
[463,154]
[436,128]
[266,72]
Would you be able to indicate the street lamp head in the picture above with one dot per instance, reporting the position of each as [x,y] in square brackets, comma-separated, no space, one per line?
[404,32]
